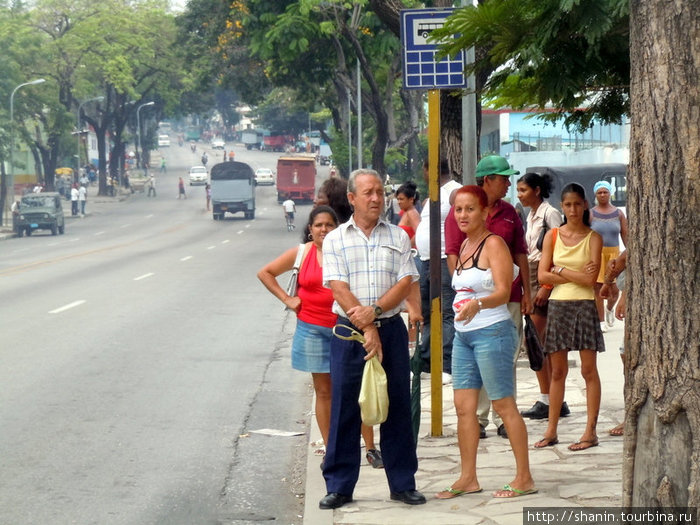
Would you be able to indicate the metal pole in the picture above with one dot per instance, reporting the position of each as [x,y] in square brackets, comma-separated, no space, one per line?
[11,190]
[435,264]
[349,131]
[359,117]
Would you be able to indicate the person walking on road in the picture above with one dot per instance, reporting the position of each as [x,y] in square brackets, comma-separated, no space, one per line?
[367,264]
[289,208]
[163,168]
[207,190]
[82,199]
[74,195]
[151,186]
[181,188]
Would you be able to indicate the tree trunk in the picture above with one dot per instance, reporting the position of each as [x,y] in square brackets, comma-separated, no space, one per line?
[662,394]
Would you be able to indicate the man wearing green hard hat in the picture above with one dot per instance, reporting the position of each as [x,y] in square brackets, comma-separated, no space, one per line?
[493,175]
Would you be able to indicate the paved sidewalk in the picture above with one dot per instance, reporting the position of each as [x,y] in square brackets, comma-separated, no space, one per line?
[589,478]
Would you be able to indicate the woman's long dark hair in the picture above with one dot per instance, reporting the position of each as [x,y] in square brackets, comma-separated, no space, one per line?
[409,190]
[576,188]
[317,211]
[535,180]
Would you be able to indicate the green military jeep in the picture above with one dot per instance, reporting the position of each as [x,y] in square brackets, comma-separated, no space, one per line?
[40,211]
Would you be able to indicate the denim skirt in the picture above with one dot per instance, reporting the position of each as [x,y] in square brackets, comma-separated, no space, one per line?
[311,348]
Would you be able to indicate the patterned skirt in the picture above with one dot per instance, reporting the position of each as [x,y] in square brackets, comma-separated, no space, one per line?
[573,326]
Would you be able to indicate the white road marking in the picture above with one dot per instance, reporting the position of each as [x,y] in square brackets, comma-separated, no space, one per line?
[99,233]
[144,276]
[75,240]
[187,258]
[210,247]
[239,232]
[149,216]
[247,225]
[125,225]
[67,307]
[225,241]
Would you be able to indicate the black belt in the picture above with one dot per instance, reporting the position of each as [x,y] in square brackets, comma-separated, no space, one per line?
[382,321]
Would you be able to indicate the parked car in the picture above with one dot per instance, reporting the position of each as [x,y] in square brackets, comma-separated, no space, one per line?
[218,144]
[163,141]
[40,211]
[198,175]
[264,176]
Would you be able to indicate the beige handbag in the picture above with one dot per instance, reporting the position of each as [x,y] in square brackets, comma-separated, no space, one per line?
[374,397]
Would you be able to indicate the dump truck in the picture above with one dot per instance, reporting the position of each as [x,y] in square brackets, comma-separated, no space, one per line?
[296,178]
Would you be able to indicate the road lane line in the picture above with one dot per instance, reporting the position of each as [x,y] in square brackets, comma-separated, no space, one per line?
[210,247]
[75,240]
[125,225]
[225,241]
[99,233]
[144,276]
[67,307]
[187,258]
[247,225]
[239,232]
[149,216]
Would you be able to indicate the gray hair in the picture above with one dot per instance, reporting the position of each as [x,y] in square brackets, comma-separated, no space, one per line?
[362,171]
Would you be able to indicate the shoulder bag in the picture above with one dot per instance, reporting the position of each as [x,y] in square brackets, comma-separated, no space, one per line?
[293,284]
[535,354]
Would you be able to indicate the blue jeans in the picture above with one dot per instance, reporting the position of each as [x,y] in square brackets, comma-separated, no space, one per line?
[447,295]
[485,357]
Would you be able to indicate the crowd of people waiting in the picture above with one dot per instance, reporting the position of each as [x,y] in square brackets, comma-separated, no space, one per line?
[361,270]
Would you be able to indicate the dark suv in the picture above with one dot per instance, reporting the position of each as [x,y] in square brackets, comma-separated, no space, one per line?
[40,211]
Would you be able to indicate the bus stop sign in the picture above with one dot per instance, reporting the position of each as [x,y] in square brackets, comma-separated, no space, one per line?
[420,69]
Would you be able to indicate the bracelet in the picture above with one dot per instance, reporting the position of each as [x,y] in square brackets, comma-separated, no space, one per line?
[561,268]
[547,286]
[478,302]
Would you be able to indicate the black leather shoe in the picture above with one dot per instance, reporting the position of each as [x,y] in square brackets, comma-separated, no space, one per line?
[538,411]
[482,432]
[409,497]
[502,431]
[564,410]
[333,500]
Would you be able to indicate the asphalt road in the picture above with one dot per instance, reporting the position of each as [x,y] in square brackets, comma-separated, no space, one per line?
[138,356]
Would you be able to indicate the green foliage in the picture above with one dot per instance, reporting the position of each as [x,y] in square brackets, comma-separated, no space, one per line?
[572,55]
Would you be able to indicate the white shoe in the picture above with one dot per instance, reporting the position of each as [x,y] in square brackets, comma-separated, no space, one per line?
[446,378]
[603,327]
[609,318]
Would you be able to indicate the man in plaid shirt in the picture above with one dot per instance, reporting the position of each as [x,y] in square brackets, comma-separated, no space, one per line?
[368,265]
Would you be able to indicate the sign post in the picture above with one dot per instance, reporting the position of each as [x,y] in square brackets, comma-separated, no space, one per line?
[422,71]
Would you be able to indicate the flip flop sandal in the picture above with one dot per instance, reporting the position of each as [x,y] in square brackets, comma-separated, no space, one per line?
[450,493]
[546,442]
[514,493]
[576,447]
[619,430]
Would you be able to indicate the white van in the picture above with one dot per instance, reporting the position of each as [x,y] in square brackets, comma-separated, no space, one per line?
[163,141]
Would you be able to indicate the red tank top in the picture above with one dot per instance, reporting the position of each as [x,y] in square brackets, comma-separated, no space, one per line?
[316,300]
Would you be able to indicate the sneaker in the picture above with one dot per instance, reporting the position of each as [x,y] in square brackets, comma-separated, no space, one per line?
[538,411]
[374,458]
[446,378]
[603,326]
[609,318]
[564,410]
[482,431]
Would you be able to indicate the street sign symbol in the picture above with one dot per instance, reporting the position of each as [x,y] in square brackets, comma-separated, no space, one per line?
[420,69]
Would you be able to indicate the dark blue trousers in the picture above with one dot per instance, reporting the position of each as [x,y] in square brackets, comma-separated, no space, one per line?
[342,462]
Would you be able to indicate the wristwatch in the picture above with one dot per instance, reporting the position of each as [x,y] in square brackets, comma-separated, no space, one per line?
[377,310]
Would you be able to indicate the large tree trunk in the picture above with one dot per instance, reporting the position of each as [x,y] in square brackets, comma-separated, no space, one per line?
[662,393]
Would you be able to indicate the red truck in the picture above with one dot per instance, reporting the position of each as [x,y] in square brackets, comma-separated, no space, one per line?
[296,178]
[276,142]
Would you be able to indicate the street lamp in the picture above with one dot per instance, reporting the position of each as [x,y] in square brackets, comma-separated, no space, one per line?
[138,131]
[11,193]
[99,99]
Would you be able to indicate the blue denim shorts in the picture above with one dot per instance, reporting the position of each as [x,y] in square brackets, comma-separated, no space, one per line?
[485,357]
[311,348]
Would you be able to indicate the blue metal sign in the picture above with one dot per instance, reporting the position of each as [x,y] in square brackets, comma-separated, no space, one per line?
[420,70]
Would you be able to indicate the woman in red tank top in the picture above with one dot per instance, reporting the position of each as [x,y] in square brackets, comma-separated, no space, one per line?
[406,196]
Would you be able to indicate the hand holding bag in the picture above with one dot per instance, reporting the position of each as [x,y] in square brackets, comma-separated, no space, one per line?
[535,353]
[293,284]
[374,397]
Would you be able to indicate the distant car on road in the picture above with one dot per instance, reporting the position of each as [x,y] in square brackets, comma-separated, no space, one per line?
[264,177]
[40,211]
[163,141]
[218,144]
[198,175]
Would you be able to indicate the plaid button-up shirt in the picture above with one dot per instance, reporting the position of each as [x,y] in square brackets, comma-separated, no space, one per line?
[370,266]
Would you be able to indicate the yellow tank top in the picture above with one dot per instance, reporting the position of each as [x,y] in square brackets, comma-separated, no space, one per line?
[574,258]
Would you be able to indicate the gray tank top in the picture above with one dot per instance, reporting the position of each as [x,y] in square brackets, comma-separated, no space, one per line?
[608,226]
